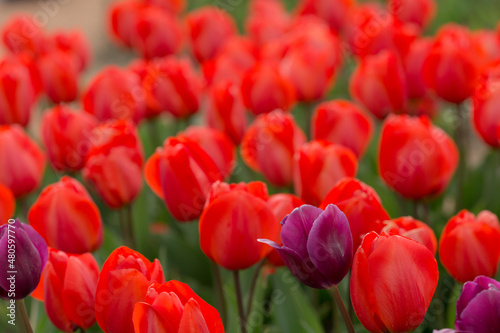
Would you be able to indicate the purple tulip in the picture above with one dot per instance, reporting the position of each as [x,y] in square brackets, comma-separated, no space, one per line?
[317,245]
[23,254]
[478,307]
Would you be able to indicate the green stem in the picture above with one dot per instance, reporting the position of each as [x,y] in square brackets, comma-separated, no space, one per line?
[461,135]
[153,133]
[81,330]
[127,226]
[253,284]
[343,311]
[220,292]
[24,315]
[239,299]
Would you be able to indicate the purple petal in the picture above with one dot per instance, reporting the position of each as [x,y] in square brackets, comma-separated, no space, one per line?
[38,242]
[482,313]
[330,244]
[471,289]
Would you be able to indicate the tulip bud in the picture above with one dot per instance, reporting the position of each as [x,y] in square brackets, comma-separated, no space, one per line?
[7,204]
[332,12]
[419,12]
[393,279]
[67,218]
[192,312]
[75,44]
[122,19]
[470,246]
[414,229]
[317,245]
[171,6]
[21,34]
[267,20]
[413,63]
[23,254]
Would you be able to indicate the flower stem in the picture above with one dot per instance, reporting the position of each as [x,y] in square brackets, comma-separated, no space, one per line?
[239,299]
[154,136]
[253,284]
[220,292]
[127,226]
[343,311]
[24,315]
[461,136]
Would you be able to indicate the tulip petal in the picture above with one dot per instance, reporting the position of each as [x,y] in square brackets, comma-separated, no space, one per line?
[482,314]
[147,320]
[296,228]
[192,319]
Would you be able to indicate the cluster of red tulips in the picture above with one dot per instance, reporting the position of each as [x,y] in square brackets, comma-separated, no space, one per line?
[259,157]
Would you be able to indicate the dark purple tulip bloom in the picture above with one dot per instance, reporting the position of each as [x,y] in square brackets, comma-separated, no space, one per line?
[23,254]
[478,307]
[317,245]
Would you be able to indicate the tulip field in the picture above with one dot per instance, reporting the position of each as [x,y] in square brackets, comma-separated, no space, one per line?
[251,166]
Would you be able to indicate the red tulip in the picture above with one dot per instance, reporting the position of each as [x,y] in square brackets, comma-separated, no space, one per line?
[69,287]
[22,163]
[235,216]
[470,245]
[269,145]
[174,307]
[115,93]
[209,28]
[172,6]
[74,43]
[264,90]
[113,165]
[22,34]
[122,17]
[393,279]
[181,173]
[419,12]
[267,20]
[413,63]
[145,71]
[318,165]
[66,134]
[489,42]
[67,218]
[379,84]
[415,158]
[17,92]
[124,280]
[176,87]
[361,204]
[414,229]
[337,120]
[281,205]
[226,111]
[7,204]
[333,12]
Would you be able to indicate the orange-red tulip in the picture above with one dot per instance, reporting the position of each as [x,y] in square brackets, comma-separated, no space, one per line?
[489,42]
[470,245]
[172,6]
[7,204]
[413,62]
[122,17]
[22,34]
[414,229]
[74,43]
[419,12]
[59,74]
[333,12]
[267,20]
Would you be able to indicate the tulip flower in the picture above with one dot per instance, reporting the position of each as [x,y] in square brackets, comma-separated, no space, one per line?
[317,245]
[171,6]
[176,87]
[181,173]
[192,314]
[66,134]
[67,218]
[122,18]
[332,12]
[413,62]
[318,165]
[393,279]
[113,165]
[361,204]
[234,217]
[124,280]
[267,20]
[489,42]
[478,307]
[69,287]
[7,204]
[209,28]
[17,92]
[226,111]
[269,145]
[21,34]
[470,245]
[414,229]
[59,73]
[416,158]
[419,12]
[264,90]
[337,120]
[22,163]
[24,252]
[73,43]
[115,93]
[379,84]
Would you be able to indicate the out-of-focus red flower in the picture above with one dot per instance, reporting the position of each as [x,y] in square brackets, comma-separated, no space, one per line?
[67,218]
[379,84]
[226,111]
[267,20]
[22,163]
[416,158]
[115,93]
[235,216]
[17,92]
[172,6]
[181,173]
[66,134]
[333,12]
[414,229]
[209,29]
[269,145]
[113,165]
[413,63]
[217,145]
[318,166]
[281,205]
[69,287]
[264,89]
[175,86]
[124,280]
[486,104]
[470,245]
[419,12]
[74,43]
[489,41]
[122,17]
[21,34]
[143,68]
[393,279]
[343,122]
[7,204]
[361,204]
[452,66]
[174,307]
